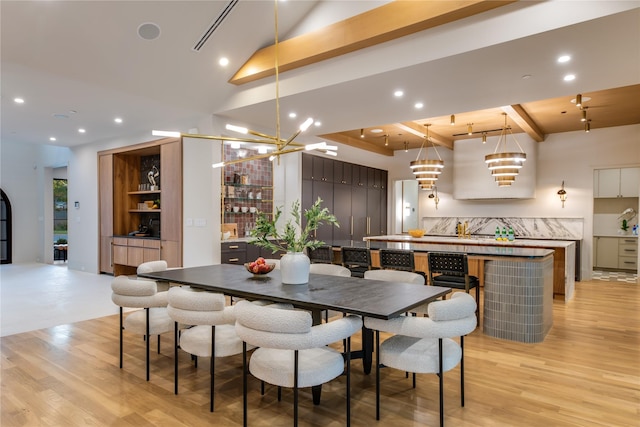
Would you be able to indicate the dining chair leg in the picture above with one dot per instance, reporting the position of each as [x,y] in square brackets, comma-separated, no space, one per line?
[279,394]
[212,365]
[462,372]
[121,329]
[441,380]
[377,375]
[175,358]
[147,339]
[244,384]
[348,351]
[295,388]
[158,344]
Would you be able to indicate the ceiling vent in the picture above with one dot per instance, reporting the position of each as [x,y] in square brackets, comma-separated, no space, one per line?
[214,25]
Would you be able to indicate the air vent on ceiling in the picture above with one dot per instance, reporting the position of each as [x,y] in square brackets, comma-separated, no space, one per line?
[214,25]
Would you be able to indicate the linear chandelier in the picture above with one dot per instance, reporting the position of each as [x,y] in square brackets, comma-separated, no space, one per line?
[426,171]
[282,146]
[505,165]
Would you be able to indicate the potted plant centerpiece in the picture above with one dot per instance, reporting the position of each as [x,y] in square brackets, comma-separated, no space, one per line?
[294,239]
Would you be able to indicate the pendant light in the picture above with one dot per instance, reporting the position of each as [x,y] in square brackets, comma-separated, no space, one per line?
[505,165]
[426,171]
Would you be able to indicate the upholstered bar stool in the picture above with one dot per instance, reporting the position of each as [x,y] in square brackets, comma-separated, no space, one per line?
[152,320]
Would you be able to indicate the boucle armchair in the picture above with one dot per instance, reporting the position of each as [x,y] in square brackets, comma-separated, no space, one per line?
[291,352]
[212,333]
[399,276]
[424,345]
[153,320]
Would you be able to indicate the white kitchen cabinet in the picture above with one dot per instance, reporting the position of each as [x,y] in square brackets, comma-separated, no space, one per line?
[606,251]
[618,182]
[628,253]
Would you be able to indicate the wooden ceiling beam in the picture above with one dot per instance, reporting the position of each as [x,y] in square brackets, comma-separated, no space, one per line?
[357,143]
[379,25]
[524,121]
[420,130]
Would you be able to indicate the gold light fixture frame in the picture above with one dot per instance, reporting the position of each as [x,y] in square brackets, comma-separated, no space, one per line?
[282,146]
[427,171]
[505,165]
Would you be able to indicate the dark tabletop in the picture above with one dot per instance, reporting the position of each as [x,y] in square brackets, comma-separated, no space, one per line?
[370,298]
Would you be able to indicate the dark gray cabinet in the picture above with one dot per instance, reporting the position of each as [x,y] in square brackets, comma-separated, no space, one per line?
[355,194]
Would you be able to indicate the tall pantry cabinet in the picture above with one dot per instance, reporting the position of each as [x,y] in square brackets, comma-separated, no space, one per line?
[355,194]
[138,221]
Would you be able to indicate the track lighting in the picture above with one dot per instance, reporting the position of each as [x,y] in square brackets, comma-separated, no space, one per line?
[584,115]
[587,126]
[484,137]
[470,128]
[579,100]
[453,120]
[361,133]
[386,140]
[406,146]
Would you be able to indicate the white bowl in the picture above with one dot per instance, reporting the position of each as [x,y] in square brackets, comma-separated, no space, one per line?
[245,209]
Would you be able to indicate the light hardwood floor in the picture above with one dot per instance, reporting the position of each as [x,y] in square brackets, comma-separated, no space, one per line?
[585,373]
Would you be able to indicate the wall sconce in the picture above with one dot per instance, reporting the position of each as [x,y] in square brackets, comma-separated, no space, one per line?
[434,195]
[562,194]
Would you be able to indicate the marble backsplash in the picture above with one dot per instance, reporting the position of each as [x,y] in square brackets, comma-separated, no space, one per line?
[524,228]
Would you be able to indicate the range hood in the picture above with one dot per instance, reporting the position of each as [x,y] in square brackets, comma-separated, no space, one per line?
[472,179]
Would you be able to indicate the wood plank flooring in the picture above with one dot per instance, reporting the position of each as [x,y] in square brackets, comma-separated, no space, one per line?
[585,373]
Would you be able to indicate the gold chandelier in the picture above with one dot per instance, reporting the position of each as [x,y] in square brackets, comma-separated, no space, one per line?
[505,165]
[282,146]
[426,171]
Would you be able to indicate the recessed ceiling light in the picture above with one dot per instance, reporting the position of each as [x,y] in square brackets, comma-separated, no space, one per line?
[18,100]
[526,76]
[72,111]
[569,77]
[149,31]
[293,115]
[317,123]
[564,58]
[81,130]
[418,105]
[376,130]
[223,61]
[398,93]
[117,120]
[262,150]
[52,138]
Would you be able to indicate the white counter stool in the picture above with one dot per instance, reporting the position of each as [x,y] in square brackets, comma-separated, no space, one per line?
[212,333]
[153,320]
[425,344]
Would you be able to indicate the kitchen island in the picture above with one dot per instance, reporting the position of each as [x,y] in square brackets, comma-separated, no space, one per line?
[563,258]
[518,283]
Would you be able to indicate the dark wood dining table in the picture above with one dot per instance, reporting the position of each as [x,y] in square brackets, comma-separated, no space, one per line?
[353,295]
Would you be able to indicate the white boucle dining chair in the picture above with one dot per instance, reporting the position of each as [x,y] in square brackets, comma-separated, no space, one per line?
[399,276]
[152,267]
[330,270]
[291,352]
[211,334]
[152,320]
[425,344]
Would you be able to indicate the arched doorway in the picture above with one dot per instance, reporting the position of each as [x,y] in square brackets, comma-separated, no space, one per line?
[5,229]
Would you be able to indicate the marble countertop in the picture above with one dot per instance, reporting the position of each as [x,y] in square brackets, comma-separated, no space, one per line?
[626,236]
[481,240]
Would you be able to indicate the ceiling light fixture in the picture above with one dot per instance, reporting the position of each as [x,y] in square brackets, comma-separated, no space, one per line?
[569,77]
[453,120]
[587,126]
[564,58]
[361,133]
[386,140]
[117,120]
[398,93]
[469,128]
[484,137]
[406,146]
[579,100]
[282,146]
[426,171]
[81,130]
[584,115]
[505,165]
[18,100]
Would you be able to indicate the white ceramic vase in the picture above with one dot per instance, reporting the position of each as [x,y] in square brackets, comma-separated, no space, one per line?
[294,268]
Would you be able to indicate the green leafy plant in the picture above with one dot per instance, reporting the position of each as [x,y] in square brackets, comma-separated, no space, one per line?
[266,235]
[624,225]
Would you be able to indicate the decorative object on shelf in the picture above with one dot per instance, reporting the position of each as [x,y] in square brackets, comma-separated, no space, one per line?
[151,176]
[626,216]
[505,165]
[282,146]
[294,265]
[563,194]
[426,171]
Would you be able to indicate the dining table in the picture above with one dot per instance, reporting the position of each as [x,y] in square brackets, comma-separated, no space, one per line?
[350,295]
